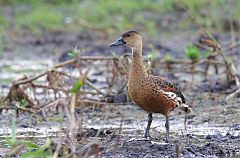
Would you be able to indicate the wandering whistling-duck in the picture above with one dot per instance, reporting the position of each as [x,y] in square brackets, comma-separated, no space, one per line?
[154,94]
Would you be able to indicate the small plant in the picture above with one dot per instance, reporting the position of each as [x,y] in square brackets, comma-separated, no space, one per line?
[75,52]
[33,150]
[168,58]
[76,86]
[24,103]
[38,151]
[192,53]
[152,53]
[114,55]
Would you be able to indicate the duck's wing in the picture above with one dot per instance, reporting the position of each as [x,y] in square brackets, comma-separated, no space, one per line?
[167,86]
[171,91]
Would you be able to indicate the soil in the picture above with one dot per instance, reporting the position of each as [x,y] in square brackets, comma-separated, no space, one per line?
[116,130]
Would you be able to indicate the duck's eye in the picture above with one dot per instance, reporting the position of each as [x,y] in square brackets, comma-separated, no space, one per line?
[128,35]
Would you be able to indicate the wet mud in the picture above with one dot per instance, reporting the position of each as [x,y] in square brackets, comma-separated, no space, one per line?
[116,130]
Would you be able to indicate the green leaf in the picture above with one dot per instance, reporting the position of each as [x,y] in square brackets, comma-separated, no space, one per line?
[24,103]
[40,152]
[34,154]
[76,86]
[192,53]
[75,52]
[29,144]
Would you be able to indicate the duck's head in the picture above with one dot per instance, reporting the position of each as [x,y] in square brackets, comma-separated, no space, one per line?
[131,39]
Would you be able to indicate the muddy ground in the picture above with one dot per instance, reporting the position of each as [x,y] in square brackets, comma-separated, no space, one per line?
[116,129]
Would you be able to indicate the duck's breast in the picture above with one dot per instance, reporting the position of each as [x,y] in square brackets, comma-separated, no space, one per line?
[149,97]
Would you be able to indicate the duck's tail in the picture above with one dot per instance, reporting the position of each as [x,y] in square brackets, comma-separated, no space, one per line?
[187,109]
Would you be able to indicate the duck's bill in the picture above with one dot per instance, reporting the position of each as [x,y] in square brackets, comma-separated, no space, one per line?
[118,42]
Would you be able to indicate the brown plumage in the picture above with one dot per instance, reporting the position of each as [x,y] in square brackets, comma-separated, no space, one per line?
[154,94]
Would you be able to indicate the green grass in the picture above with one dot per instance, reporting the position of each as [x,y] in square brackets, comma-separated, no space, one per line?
[40,18]
[42,15]
[120,15]
[55,119]
[17,2]
[32,149]
[6,81]
[3,26]
[3,22]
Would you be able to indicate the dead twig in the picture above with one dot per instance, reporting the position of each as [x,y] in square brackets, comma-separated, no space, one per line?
[69,62]
[59,145]
[233,94]
[20,82]
[210,41]
[86,82]
[93,87]
[233,46]
[25,109]
[89,150]
[60,101]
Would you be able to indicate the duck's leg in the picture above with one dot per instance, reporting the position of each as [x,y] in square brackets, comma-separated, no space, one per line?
[167,129]
[146,135]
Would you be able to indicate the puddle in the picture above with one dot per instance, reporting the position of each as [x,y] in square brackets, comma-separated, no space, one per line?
[36,132]
[11,70]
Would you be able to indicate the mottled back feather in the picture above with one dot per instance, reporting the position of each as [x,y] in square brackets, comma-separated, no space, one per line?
[164,85]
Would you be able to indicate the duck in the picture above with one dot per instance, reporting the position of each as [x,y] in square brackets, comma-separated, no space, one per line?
[154,94]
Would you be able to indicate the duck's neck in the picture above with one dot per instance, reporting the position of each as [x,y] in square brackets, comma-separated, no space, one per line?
[137,68]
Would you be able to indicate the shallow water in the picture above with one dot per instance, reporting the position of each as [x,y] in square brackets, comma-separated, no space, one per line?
[133,124]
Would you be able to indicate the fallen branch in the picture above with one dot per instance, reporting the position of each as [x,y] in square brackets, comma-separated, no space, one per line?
[233,94]
[25,109]
[24,81]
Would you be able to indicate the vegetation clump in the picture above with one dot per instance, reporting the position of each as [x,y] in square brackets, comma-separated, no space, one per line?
[193,53]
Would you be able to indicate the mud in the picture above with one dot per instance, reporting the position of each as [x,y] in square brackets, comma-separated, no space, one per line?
[213,127]
[210,132]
